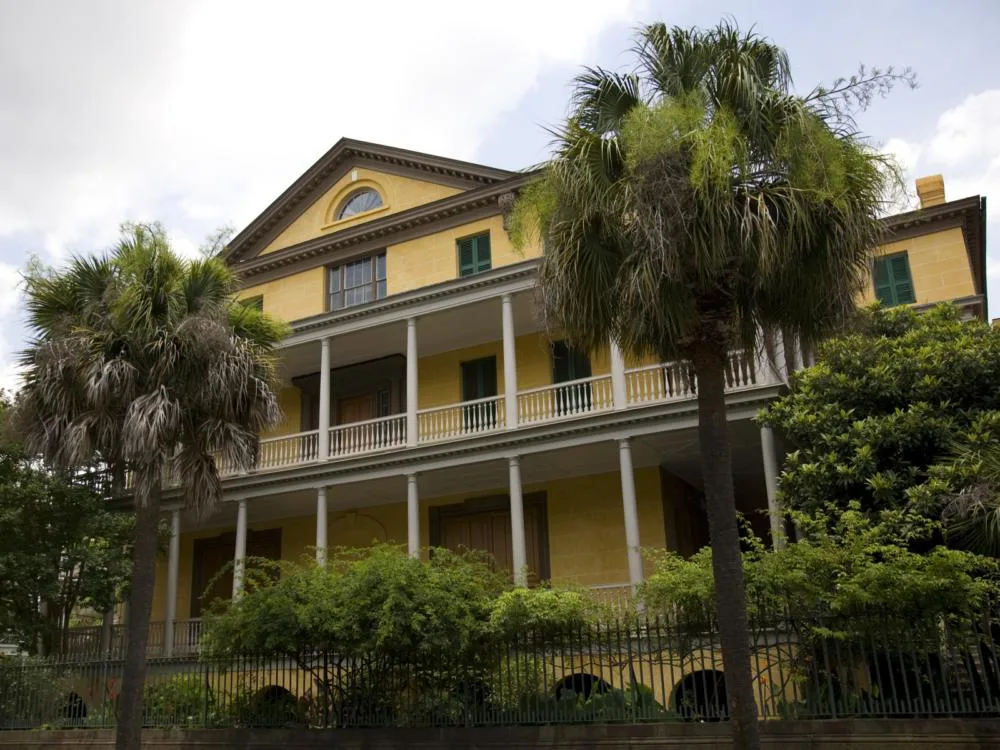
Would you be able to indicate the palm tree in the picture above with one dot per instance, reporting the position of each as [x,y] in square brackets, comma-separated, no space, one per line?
[146,363]
[688,206]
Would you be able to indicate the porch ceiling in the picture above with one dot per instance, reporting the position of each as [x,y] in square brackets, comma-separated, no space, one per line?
[456,328]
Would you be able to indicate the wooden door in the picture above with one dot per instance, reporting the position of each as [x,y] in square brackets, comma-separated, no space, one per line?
[355,409]
[215,553]
[489,531]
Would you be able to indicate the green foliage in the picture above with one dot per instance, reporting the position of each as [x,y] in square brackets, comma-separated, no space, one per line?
[362,601]
[847,564]
[877,419]
[60,545]
[697,198]
[177,701]
[32,692]
[541,611]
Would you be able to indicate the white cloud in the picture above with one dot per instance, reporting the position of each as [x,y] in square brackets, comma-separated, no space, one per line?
[206,111]
[200,112]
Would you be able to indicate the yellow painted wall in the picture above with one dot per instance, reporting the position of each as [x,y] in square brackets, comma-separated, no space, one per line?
[433,258]
[939,265]
[398,194]
[440,375]
[292,297]
[585,520]
[290,400]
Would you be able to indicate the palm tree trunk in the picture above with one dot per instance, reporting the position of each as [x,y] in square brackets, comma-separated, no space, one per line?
[727,563]
[147,521]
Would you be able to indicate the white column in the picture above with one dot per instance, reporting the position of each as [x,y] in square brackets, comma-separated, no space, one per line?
[173,568]
[631,512]
[771,483]
[618,391]
[239,558]
[412,516]
[321,525]
[411,381]
[519,547]
[324,400]
[509,361]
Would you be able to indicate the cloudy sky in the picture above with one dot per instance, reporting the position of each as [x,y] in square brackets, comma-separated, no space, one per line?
[198,113]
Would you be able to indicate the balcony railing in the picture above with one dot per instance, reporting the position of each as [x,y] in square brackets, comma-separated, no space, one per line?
[643,386]
[461,420]
[288,450]
[368,436]
[564,400]
[86,643]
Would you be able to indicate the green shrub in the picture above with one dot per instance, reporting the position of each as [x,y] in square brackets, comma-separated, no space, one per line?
[540,612]
[181,700]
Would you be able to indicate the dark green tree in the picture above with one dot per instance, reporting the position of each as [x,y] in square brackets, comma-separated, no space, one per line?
[878,419]
[691,204]
[62,549]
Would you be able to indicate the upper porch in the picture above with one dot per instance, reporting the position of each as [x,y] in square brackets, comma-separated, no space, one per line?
[459,361]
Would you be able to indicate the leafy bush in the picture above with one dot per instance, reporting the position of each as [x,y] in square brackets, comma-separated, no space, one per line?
[362,601]
[540,612]
[35,693]
[876,420]
[179,701]
[847,564]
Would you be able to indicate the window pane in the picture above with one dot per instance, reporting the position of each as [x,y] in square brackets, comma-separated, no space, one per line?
[365,199]
[380,267]
[335,279]
[380,290]
[366,271]
[335,301]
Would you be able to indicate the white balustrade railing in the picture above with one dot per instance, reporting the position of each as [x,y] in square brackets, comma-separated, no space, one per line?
[673,381]
[664,382]
[563,400]
[459,420]
[370,435]
[740,370]
[288,450]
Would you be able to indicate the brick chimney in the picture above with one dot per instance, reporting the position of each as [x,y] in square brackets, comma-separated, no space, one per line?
[930,190]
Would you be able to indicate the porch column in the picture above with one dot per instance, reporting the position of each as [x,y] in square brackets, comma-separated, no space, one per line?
[324,399]
[411,381]
[509,361]
[619,393]
[519,548]
[631,512]
[239,558]
[771,483]
[412,516]
[173,567]
[321,525]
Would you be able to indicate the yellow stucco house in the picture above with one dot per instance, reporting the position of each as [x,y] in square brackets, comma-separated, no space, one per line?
[424,404]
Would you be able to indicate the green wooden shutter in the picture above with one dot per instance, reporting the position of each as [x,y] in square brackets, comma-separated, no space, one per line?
[902,283]
[893,283]
[883,282]
[474,255]
[479,378]
[466,257]
[482,252]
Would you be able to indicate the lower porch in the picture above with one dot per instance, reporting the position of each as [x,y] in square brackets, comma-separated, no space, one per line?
[578,516]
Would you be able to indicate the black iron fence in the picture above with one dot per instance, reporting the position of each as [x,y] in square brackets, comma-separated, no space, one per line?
[630,670]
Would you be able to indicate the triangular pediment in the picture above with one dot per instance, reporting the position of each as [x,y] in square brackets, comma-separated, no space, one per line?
[403,179]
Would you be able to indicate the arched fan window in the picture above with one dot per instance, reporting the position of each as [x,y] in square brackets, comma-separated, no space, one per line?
[358,202]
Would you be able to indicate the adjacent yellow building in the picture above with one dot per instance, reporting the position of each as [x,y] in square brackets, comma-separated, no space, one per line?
[424,405]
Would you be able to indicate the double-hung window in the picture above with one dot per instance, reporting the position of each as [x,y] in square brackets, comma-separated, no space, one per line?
[893,283]
[474,255]
[357,282]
